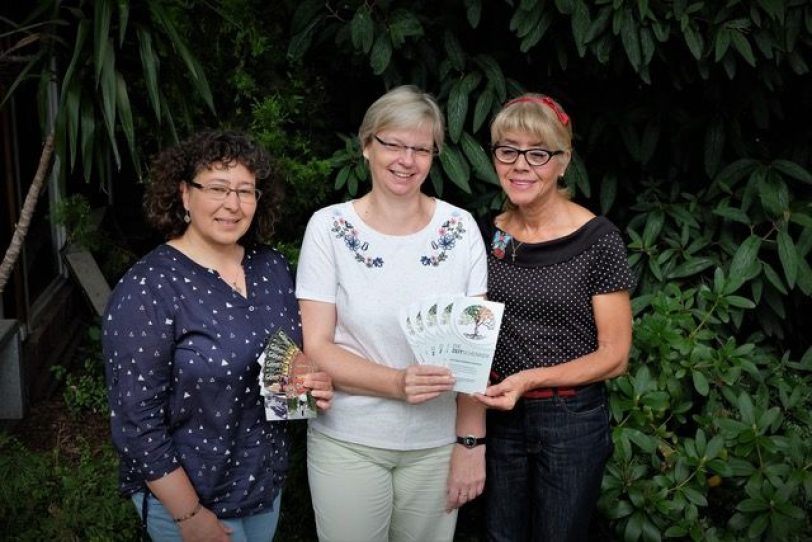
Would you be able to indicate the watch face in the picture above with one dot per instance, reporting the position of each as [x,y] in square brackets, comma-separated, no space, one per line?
[469,442]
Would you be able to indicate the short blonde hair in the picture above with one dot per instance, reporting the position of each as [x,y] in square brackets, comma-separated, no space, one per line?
[403,107]
[535,114]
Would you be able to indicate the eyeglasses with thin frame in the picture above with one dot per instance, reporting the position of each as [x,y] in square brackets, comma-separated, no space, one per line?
[535,157]
[219,192]
[422,152]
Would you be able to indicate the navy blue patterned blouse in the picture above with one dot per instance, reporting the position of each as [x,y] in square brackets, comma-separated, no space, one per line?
[181,349]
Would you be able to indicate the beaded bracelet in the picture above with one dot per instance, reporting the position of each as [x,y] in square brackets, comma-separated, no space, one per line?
[191,514]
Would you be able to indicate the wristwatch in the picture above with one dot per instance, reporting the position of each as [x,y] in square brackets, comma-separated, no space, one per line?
[470,441]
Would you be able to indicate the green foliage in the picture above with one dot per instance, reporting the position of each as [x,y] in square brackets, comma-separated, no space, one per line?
[712,422]
[85,389]
[93,52]
[51,496]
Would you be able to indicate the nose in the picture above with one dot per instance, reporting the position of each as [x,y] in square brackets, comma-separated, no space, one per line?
[407,155]
[232,202]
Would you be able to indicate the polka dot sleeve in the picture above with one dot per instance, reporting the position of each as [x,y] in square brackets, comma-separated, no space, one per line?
[611,271]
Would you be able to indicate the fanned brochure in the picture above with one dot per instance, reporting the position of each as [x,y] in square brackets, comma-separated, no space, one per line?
[283,366]
[455,332]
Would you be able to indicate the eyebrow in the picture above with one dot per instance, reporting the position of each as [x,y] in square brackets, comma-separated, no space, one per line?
[239,183]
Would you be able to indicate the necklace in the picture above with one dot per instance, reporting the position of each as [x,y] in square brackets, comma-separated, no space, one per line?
[514,247]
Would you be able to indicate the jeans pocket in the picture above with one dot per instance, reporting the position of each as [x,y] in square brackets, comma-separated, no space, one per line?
[587,401]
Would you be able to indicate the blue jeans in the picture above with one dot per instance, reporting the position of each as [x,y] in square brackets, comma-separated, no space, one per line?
[545,462]
[162,528]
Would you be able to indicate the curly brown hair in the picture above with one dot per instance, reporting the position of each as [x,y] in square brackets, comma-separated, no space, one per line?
[163,205]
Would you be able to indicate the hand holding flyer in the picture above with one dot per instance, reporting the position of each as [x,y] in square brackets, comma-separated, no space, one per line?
[283,367]
[455,332]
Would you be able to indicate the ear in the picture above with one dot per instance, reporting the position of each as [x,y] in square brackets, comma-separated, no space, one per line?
[564,162]
[365,152]
[183,188]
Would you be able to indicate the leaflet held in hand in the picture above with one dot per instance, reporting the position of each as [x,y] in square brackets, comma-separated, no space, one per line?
[455,332]
[282,369]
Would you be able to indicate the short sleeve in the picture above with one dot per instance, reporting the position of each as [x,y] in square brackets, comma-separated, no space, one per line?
[316,275]
[611,272]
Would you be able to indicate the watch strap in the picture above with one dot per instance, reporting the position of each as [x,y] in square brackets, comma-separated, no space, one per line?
[470,441]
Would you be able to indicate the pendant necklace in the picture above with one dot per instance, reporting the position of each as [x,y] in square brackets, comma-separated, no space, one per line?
[514,247]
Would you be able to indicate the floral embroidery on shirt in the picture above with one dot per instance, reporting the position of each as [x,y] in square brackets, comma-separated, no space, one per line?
[450,231]
[344,230]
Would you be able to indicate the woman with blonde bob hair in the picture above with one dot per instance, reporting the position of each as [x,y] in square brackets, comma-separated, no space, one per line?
[384,464]
[562,274]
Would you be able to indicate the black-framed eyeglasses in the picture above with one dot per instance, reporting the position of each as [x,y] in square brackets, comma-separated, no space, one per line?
[219,192]
[535,157]
[423,152]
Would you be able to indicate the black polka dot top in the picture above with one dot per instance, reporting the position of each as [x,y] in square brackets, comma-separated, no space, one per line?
[547,289]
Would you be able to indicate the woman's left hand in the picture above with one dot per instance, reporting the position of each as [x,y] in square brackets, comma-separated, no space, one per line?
[321,386]
[466,476]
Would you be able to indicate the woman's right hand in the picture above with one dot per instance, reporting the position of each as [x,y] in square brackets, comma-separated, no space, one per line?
[421,383]
[204,527]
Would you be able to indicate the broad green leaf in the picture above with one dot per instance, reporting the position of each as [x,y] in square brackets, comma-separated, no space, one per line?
[362,29]
[745,404]
[745,256]
[102,13]
[634,527]
[608,192]
[722,43]
[700,383]
[454,50]
[457,109]
[88,132]
[758,525]
[455,167]
[306,12]
[73,97]
[577,175]
[403,24]
[341,178]
[690,267]
[740,302]
[630,37]
[473,11]
[788,256]
[478,159]
[150,62]
[536,32]
[123,20]
[773,194]
[736,171]
[381,54]
[654,225]
[300,42]
[694,41]
[108,87]
[483,107]
[198,78]
[732,213]
[580,27]
[126,118]
[493,72]
[741,45]
[793,170]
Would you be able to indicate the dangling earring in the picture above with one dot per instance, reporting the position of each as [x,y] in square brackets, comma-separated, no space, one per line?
[187,218]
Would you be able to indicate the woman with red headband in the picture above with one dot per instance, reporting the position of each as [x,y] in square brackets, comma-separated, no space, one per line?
[563,276]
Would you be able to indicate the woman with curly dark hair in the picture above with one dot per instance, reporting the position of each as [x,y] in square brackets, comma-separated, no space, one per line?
[182,333]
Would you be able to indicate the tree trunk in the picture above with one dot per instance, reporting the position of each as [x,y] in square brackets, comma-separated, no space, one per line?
[21,229]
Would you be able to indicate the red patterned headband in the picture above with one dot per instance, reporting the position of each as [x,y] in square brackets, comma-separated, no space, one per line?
[543,100]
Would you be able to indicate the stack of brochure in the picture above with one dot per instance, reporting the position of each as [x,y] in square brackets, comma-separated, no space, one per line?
[283,366]
[455,332]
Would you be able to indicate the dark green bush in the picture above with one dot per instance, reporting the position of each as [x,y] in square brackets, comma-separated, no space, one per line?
[50,496]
